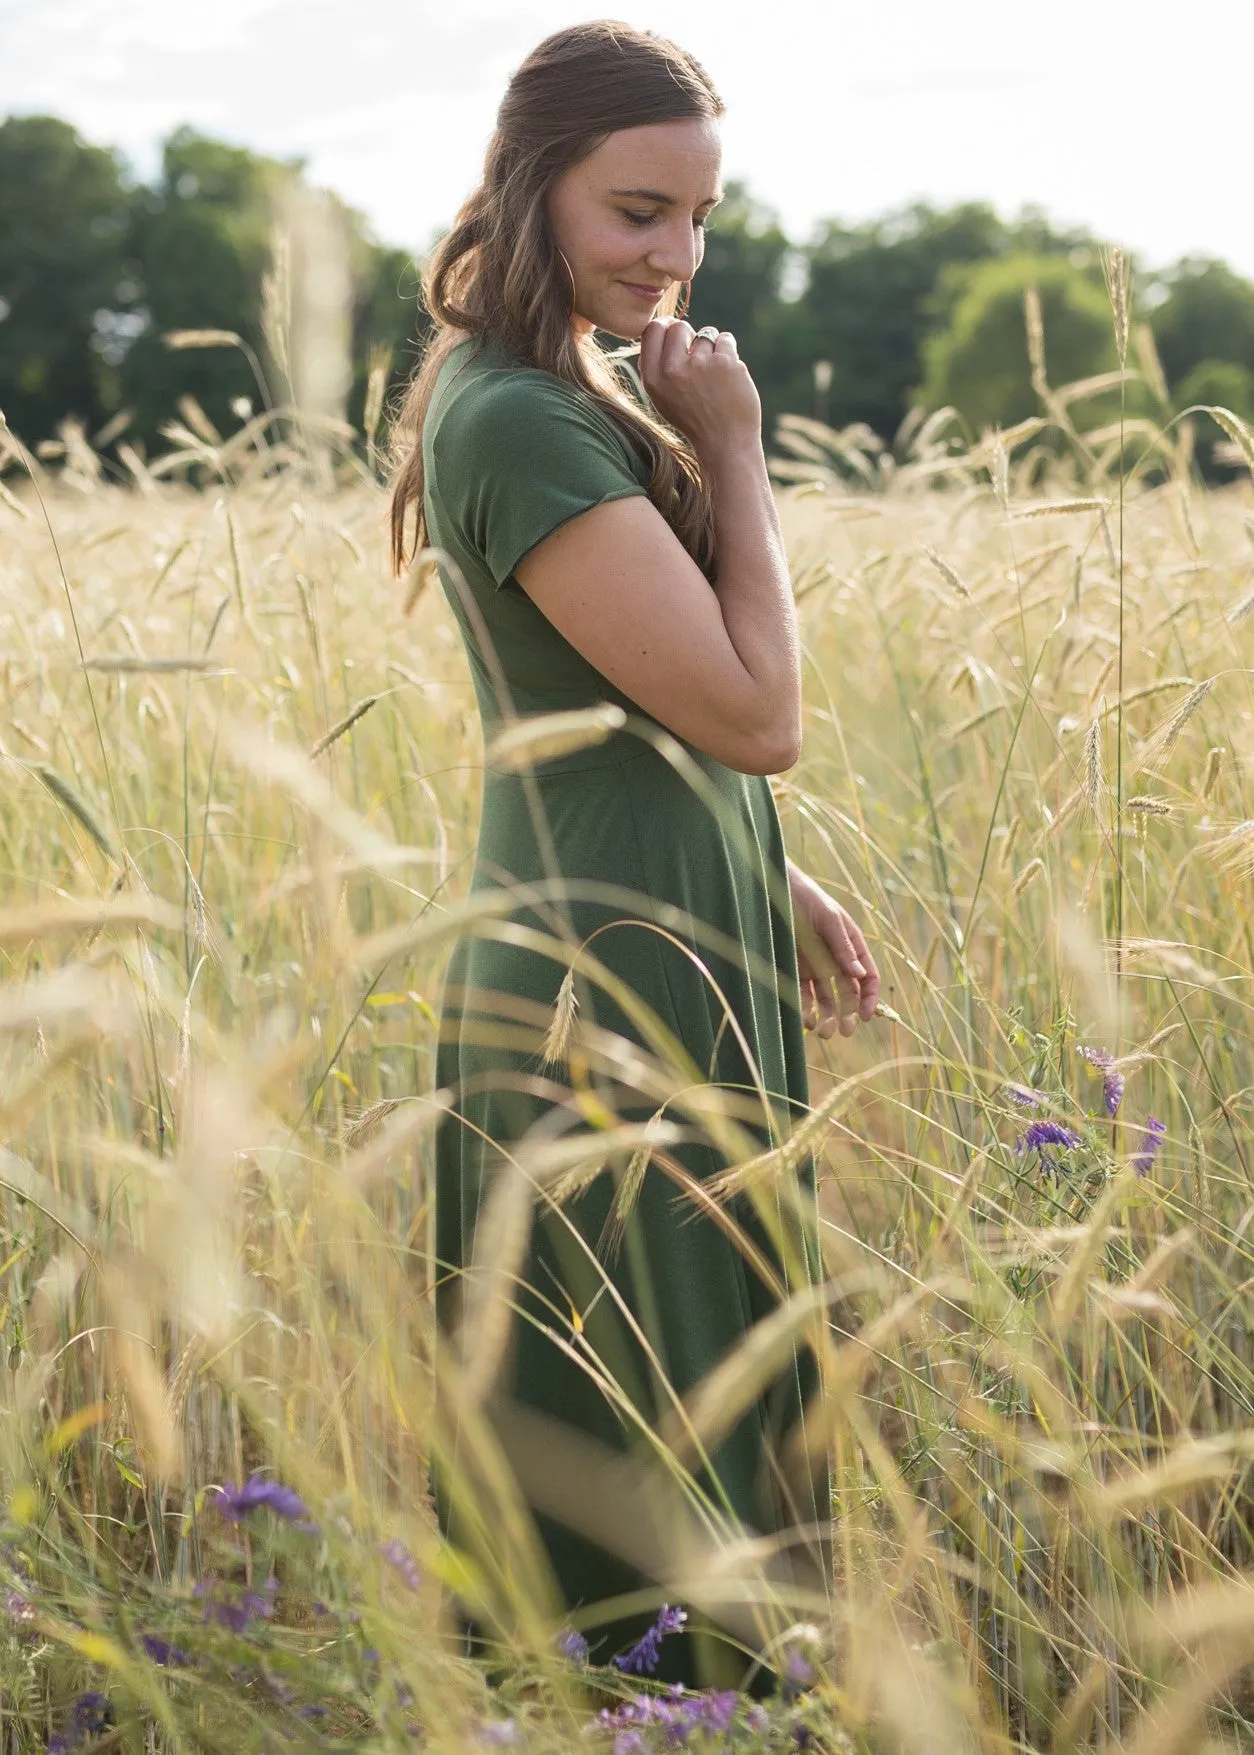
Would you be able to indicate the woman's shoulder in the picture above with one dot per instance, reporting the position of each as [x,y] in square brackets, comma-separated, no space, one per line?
[492,404]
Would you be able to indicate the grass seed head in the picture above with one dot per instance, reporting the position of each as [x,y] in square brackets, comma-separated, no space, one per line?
[1115,269]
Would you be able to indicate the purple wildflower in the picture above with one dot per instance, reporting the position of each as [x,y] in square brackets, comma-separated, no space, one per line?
[236,1612]
[801,1650]
[1026,1096]
[573,1645]
[643,1656]
[399,1556]
[236,1502]
[1046,1133]
[798,1668]
[718,1709]
[161,1651]
[757,1718]
[500,1732]
[641,1709]
[89,1717]
[1112,1078]
[678,1713]
[18,1608]
[313,1711]
[628,1743]
[275,1686]
[1142,1160]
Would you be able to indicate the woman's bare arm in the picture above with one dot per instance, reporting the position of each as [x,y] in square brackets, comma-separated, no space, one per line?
[720,668]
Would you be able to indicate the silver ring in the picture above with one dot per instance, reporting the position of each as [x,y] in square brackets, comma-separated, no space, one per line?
[706,333]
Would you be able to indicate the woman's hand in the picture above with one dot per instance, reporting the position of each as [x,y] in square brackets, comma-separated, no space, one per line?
[830,948]
[704,390]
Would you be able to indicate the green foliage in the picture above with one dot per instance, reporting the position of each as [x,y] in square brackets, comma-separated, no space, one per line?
[1217,383]
[202,240]
[865,306]
[1222,382]
[871,301]
[1208,315]
[63,226]
[979,361]
[94,272]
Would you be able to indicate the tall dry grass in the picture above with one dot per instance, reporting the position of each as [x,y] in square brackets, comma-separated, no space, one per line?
[240,790]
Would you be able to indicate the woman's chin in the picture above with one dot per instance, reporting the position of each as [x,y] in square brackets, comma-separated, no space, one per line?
[624,328]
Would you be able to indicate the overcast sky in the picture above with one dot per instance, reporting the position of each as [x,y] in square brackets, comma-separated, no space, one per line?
[1132,119]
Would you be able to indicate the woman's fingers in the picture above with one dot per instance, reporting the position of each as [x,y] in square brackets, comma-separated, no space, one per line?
[652,341]
[818,1008]
[677,344]
[849,970]
[869,983]
[840,982]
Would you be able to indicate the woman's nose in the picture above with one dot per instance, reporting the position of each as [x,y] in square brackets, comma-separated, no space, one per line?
[677,255]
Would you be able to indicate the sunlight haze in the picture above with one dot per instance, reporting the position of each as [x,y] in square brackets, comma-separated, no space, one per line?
[1085,109]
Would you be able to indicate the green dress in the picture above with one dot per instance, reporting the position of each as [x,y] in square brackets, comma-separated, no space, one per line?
[511,452]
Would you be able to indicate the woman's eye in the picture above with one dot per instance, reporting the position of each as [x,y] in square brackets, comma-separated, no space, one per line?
[648,219]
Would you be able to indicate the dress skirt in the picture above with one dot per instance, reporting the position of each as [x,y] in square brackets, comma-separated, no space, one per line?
[588,1332]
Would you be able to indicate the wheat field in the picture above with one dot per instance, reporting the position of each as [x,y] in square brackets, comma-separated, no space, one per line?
[241,781]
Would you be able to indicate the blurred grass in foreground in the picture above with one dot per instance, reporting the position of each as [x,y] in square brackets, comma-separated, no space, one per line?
[240,791]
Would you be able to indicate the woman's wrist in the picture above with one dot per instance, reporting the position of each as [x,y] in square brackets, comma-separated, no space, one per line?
[723,452]
[798,879]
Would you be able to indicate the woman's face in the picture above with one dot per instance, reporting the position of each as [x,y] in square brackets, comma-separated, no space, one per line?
[629,217]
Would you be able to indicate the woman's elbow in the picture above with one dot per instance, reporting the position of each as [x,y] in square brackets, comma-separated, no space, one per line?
[775,752]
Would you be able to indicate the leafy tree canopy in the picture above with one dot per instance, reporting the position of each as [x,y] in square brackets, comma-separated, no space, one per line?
[95,270]
[201,242]
[979,362]
[64,218]
[1208,315]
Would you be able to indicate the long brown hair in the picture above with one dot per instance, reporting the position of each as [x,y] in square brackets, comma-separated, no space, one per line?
[497,273]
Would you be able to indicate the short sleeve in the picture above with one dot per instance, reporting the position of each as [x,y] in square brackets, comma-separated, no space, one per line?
[519,453]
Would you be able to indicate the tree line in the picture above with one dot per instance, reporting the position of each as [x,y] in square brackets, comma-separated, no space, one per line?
[921,307]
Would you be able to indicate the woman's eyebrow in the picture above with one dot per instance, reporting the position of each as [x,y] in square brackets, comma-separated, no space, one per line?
[666,200]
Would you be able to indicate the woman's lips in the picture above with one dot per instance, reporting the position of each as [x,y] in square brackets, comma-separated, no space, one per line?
[652,293]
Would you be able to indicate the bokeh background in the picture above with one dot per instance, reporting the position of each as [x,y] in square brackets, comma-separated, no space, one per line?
[991,268]
[895,174]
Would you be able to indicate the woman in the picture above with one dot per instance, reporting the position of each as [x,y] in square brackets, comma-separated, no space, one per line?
[612,544]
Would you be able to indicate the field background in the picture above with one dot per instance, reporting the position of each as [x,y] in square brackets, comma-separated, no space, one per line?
[225,914]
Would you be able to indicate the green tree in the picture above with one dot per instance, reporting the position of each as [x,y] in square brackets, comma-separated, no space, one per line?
[1208,315]
[202,241]
[63,289]
[1223,384]
[865,307]
[979,362]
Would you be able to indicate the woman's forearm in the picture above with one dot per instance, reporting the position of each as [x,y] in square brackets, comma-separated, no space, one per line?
[754,589]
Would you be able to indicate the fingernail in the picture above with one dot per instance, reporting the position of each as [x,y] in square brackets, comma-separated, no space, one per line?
[857,969]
